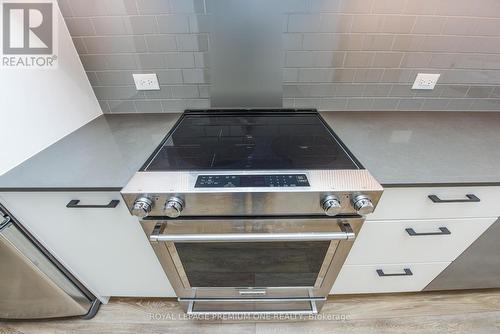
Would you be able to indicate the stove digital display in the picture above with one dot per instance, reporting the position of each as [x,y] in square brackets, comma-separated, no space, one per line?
[252,181]
[274,180]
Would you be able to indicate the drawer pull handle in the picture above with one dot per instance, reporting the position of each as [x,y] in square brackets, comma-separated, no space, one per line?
[444,231]
[407,272]
[470,198]
[74,204]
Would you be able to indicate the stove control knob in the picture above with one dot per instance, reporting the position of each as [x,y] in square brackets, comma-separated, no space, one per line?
[173,207]
[362,204]
[331,205]
[142,207]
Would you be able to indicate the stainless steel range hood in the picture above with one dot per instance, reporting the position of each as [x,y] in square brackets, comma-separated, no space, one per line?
[246,54]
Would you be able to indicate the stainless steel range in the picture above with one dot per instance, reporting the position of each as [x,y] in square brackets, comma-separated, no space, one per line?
[252,211]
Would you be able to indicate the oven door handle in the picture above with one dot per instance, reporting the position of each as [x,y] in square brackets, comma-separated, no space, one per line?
[347,234]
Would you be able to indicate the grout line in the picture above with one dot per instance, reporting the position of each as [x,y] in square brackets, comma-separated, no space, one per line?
[413,26]
[467,92]
[307,12]
[82,41]
[447,104]
[136,5]
[92,24]
[157,25]
[362,33]
[440,69]
[317,51]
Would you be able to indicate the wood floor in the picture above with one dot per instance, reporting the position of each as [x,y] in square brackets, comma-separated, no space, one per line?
[451,312]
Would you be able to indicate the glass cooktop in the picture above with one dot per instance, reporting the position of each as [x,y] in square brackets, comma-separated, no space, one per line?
[250,140]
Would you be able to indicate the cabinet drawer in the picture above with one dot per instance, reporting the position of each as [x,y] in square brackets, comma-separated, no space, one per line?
[386,278]
[414,241]
[446,202]
[101,244]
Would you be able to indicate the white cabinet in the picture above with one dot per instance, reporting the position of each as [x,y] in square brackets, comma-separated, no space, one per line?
[386,277]
[410,230]
[105,248]
[414,241]
[414,203]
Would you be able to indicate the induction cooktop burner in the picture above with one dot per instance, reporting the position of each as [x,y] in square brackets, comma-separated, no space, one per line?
[251,140]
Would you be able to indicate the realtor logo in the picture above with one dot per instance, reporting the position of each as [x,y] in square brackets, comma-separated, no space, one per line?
[28,36]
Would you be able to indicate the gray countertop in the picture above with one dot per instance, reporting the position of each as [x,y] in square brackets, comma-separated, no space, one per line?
[102,154]
[423,148]
[398,148]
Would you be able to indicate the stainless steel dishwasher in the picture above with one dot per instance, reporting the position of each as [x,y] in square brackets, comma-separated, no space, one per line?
[33,284]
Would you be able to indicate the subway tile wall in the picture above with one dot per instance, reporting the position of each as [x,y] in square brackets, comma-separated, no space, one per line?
[340,54]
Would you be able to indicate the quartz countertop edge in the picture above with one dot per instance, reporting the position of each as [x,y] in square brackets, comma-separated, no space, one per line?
[399,148]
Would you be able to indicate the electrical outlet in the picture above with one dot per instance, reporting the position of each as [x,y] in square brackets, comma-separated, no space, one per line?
[147,81]
[425,81]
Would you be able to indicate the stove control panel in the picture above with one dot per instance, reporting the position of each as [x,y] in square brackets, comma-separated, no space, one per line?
[271,180]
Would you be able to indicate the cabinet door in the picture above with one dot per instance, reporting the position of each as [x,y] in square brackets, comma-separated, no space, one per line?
[383,278]
[415,241]
[103,247]
[444,202]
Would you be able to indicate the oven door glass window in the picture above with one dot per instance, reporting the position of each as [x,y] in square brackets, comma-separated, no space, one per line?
[254,264]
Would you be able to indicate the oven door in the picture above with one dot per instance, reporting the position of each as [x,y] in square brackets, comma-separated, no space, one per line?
[262,264]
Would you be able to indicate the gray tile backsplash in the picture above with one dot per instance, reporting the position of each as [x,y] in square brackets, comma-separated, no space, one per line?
[339,54]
